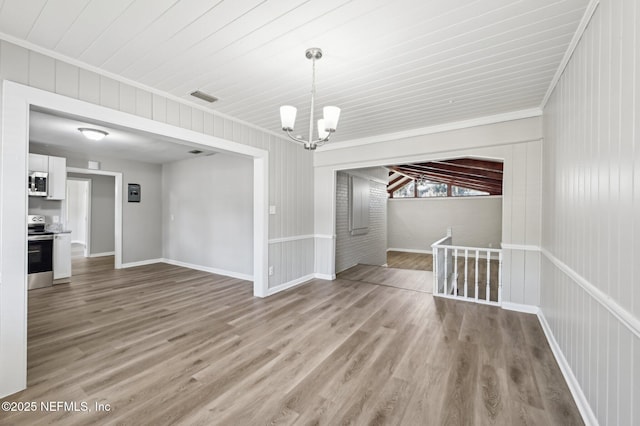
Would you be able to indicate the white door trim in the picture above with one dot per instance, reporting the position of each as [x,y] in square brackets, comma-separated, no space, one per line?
[87,223]
[118,210]
[17,99]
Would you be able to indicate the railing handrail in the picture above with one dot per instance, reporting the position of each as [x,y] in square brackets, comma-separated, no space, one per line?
[439,243]
[449,246]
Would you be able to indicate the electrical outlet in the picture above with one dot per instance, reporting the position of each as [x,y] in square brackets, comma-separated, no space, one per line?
[270,270]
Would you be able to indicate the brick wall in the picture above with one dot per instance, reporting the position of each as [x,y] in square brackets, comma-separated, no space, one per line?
[370,248]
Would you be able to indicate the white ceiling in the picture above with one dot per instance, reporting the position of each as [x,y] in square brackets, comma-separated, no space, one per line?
[55,132]
[390,65]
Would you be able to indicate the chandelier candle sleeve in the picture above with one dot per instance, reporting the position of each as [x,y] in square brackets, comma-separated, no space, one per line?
[326,125]
[288,117]
[323,132]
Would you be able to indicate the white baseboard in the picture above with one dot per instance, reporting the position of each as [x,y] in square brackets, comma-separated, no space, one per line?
[325,276]
[588,416]
[410,250]
[288,285]
[141,263]
[106,253]
[232,274]
[518,307]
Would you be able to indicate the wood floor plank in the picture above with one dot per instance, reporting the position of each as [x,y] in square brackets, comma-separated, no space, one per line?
[167,345]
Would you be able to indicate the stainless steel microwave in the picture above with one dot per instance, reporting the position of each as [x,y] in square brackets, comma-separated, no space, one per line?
[37,184]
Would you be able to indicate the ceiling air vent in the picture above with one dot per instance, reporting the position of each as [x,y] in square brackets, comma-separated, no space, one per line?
[205,97]
[195,151]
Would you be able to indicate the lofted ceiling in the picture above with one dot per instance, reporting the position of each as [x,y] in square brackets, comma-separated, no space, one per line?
[390,65]
[481,175]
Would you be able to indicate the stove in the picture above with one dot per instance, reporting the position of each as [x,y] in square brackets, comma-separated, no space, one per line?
[39,253]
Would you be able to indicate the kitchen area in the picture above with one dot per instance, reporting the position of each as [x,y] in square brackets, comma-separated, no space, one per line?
[48,240]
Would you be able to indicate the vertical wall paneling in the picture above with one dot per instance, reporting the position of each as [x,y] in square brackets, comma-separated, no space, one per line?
[144,104]
[15,63]
[127,98]
[66,79]
[173,112]
[185,116]
[42,71]
[89,87]
[109,93]
[591,213]
[159,111]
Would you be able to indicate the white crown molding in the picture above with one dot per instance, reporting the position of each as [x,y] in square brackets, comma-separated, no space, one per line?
[582,26]
[58,56]
[439,128]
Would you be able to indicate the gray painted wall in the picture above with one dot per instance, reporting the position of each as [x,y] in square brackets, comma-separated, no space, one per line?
[102,212]
[416,223]
[141,222]
[590,292]
[369,248]
[208,212]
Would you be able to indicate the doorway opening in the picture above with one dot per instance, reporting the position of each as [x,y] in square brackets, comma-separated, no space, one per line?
[18,101]
[78,215]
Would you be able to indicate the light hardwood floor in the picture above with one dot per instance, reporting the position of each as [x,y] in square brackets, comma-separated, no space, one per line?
[167,345]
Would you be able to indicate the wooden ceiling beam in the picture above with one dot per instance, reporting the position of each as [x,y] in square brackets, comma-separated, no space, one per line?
[470,171]
[404,181]
[415,171]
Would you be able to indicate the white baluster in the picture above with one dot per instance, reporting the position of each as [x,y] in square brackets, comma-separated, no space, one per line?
[488,290]
[477,270]
[446,271]
[455,272]
[466,272]
[500,277]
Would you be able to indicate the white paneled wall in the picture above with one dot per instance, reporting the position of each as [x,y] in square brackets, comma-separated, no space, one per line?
[590,293]
[290,166]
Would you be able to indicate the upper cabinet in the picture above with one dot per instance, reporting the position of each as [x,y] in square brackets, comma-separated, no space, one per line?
[56,169]
[57,178]
[38,163]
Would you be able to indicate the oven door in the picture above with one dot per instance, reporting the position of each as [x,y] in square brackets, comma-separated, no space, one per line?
[40,254]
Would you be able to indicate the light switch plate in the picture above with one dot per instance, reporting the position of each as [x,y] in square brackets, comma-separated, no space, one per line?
[272,209]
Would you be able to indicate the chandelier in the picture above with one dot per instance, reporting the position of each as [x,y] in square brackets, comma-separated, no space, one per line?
[326,125]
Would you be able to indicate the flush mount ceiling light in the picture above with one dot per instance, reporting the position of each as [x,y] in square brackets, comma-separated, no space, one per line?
[326,126]
[92,134]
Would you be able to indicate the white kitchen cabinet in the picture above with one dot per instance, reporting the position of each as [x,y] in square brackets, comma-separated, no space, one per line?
[62,257]
[57,178]
[38,163]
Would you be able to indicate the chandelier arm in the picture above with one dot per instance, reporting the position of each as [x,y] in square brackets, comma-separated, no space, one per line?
[296,139]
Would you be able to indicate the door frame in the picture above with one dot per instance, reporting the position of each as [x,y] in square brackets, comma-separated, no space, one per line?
[87,223]
[17,100]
